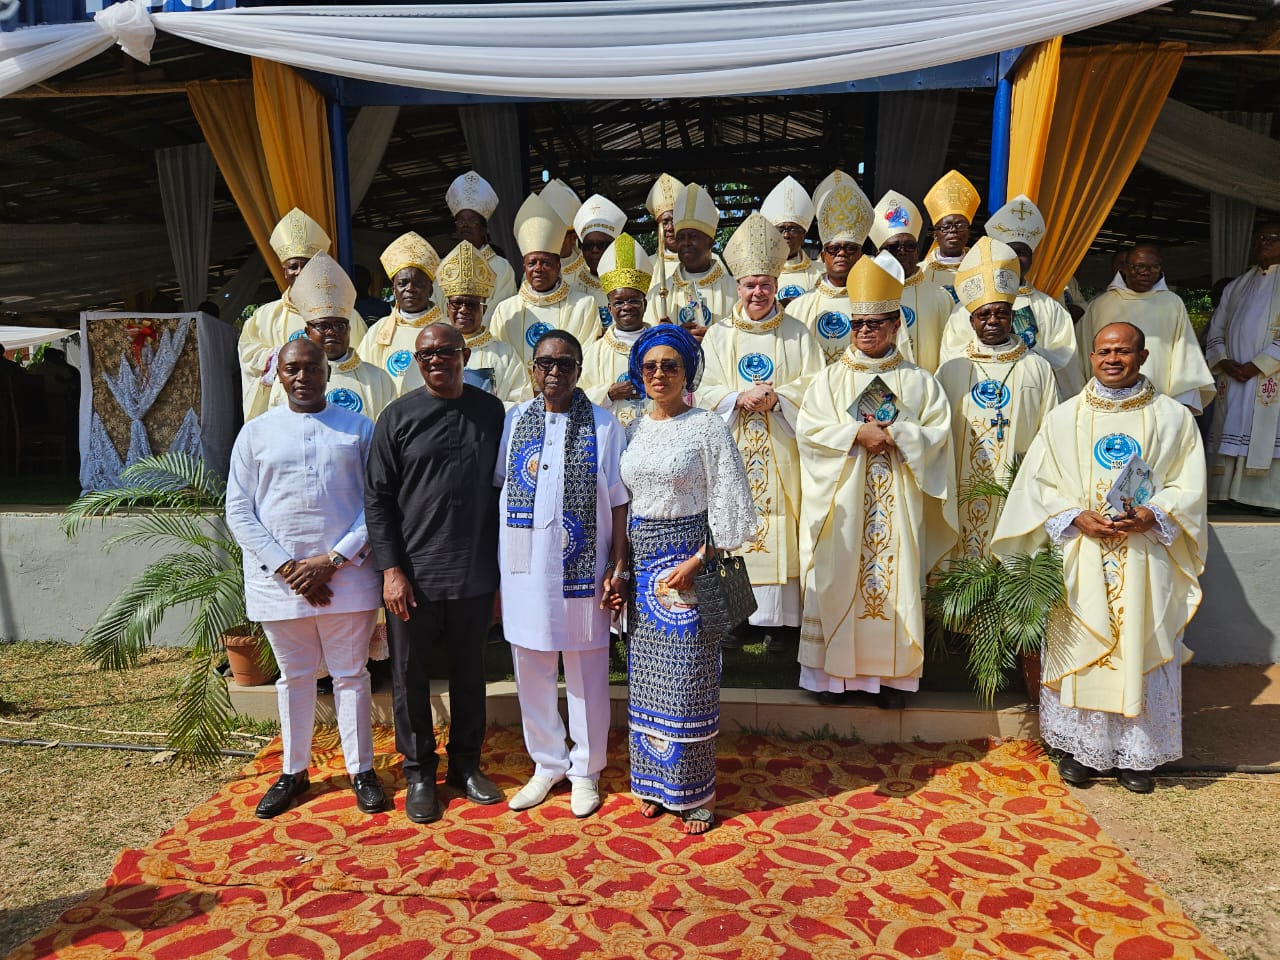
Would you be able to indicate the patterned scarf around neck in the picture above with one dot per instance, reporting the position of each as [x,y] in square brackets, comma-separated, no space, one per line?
[579,508]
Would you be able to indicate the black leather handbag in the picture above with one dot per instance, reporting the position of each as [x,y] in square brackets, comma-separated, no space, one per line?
[724,591]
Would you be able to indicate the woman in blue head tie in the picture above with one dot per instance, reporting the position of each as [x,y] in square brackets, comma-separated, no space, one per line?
[684,474]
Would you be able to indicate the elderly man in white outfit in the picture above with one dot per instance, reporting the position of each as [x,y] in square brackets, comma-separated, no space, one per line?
[295,504]
[563,524]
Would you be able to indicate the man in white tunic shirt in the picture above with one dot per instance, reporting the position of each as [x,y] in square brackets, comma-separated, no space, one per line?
[295,504]
[565,512]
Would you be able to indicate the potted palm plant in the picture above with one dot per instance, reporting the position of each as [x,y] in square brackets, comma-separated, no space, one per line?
[174,502]
[998,608]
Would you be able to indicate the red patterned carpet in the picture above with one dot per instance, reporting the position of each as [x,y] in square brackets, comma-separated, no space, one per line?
[825,850]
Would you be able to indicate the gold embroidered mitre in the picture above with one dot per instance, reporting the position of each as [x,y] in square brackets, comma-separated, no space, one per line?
[662,195]
[953,194]
[894,214]
[471,191]
[410,250]
[788,202]
[988,274]
[600,215]
[756,249]
[538,227]
[323,289]
[297,235]
[625,264]
[844,212]
[465,273]
[874,285]
[1018,221]
[695,210]
[563,199]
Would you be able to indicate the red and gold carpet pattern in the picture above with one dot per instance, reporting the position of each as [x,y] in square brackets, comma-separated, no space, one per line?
[824,850]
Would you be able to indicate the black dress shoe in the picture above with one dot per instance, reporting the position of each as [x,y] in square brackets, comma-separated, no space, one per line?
[370,797]
[1135,781]
[477,787]
[420,803]
[891,699]
[1075,772]
[281,794]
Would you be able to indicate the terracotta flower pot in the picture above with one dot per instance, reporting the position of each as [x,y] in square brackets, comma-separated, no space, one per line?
[244,656]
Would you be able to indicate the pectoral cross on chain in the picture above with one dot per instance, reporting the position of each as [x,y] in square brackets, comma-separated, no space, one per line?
[999,422]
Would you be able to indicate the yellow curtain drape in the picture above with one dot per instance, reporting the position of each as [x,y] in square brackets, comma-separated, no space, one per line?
[1035,90]
[228,119]
[1108,100]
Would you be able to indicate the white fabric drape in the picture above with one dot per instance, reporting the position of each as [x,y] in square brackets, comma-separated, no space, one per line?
[913,131]
[366,145]
[19,338]
[601,49]
[33,54]
[1231,219]
[186,192]
[492,132]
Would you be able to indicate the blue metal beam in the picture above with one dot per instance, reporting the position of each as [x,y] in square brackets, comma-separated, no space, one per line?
[1001,118]
[341,183]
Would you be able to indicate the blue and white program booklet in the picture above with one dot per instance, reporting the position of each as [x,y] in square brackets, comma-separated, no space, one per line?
[1133,487]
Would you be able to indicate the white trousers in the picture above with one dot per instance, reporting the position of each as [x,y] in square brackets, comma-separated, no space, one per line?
[586,681]
[343,640]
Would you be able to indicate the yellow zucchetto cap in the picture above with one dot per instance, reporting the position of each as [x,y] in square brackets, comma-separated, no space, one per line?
[538,227]
[662,195]
[894,214]
[989,273]
[470,191]
[297,235]
[695,210]
[323,289]
[756,249]
[953,194]
[563,199]
[788,202]
[875,285]
[465,273]
[625,264]
[1018,221]
[410,250]
[600,215]
[844,212]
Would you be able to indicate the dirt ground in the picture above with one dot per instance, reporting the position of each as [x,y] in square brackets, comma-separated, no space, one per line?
[1213,843]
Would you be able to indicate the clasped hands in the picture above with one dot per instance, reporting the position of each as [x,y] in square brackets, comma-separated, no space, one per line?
[758,399]
[1097,527]
[1240,372]
[874,439]
[310,577]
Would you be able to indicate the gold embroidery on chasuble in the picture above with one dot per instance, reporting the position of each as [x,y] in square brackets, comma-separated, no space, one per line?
[757,457]
[877,566]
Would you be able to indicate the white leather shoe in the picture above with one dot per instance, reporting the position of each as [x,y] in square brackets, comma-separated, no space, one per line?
[585,798]
[532,793]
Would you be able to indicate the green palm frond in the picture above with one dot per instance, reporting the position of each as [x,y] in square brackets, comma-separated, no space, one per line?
[199,725]
[977,487]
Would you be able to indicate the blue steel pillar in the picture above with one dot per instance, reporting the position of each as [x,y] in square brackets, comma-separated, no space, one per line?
[341,183]
[1001,118]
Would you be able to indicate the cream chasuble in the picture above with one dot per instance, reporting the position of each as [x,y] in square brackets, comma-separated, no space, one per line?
[925,308]
[942,273]
[705,297]
[824,310]
[604,363]
[353,385]
[520,320]
[1128,598]
[1042,323]
[871,527]
[1000,397]
[391,342]
[493,367]
[582,280]
[1175,366]
[268,329]
[798,277]
[739,354]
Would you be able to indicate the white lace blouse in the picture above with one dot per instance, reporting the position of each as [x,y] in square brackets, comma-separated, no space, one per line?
[684,465]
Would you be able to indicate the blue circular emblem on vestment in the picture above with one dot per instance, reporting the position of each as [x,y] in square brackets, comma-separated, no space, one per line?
[755,367]
[696,313]
[606,318]
[908,316]
[399,362]
[833,325]
[1115,449]
[535,332]
[951,290]
[990,394]
[790,291]
[346,399]
[574,541]
[623,378]
[297,335]
[527,460]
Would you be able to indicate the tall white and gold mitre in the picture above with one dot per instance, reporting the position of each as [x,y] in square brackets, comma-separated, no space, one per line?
[894,214]
[989,273]
[1018,221]
[788,202]
[625,264]
[875,285]
[297,235]
[470,191]
[323,289]
[563,199]
[538,227]
[662,195]
[756,249]
[410,250]
[695,210]
[844,212]
[953,194]
[599,214]
[465,273]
